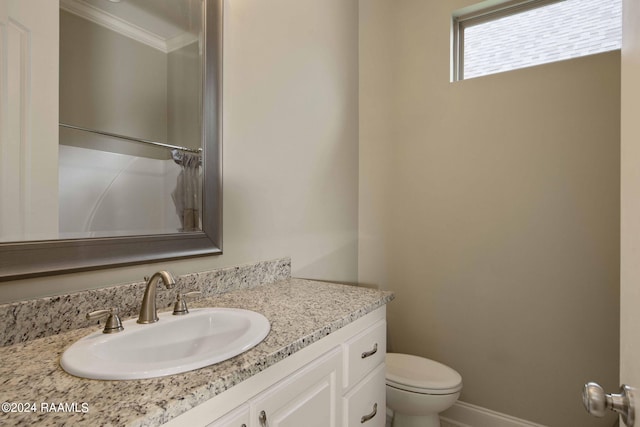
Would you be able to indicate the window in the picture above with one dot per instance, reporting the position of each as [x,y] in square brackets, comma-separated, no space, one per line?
[525,33]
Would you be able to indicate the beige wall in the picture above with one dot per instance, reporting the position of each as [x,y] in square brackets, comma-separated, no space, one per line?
[377,140]
[112,83]
[502,238]
[184,100]
[290,146]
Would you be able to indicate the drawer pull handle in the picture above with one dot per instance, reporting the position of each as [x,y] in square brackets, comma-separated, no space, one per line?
[366,418]
[263,419]
[370,352]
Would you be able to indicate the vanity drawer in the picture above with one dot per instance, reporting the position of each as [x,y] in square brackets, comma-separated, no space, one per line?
[365,405]
[363,353]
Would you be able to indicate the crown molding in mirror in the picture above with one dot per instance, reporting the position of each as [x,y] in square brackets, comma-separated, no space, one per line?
[126,28]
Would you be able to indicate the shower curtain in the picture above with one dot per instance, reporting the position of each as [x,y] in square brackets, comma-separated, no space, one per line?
[186,196]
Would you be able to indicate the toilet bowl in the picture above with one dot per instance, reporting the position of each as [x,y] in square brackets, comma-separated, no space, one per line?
[418,389]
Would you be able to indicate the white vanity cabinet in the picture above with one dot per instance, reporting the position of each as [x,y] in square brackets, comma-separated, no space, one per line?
[337,381]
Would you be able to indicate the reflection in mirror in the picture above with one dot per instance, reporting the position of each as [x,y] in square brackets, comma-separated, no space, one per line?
[131,173]
[130,113]
[130,69]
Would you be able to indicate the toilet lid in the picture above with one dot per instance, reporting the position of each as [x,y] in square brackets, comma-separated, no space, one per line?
[414,373]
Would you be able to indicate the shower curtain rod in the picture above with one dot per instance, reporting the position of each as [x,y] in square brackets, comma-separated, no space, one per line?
[128,138]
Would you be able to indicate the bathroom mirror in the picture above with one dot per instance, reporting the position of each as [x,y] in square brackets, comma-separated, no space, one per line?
[138,175]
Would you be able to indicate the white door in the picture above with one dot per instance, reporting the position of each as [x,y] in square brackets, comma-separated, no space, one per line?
[28,119]
[630,198]
[629,226]
[630,223]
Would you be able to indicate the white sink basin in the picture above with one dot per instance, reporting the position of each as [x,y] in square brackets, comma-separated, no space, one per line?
[172,345]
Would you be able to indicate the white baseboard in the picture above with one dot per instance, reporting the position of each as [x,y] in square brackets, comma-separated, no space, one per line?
[463,414]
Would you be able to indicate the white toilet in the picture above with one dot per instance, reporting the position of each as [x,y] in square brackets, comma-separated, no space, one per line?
[418,389]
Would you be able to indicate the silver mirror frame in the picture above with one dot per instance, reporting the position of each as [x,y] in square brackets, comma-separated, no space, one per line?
[21,260]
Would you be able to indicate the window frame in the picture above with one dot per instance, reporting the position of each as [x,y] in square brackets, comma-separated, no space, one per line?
[470,17]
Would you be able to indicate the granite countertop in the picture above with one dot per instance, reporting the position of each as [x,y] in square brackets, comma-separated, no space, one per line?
[300,311]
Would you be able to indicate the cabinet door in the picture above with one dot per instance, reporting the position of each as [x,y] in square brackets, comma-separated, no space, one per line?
[308,398]
[236,418]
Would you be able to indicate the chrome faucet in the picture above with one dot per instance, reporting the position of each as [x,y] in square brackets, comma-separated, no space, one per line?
[148,310]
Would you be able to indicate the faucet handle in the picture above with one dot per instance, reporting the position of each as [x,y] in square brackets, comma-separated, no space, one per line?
[180,307]
[113,323]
